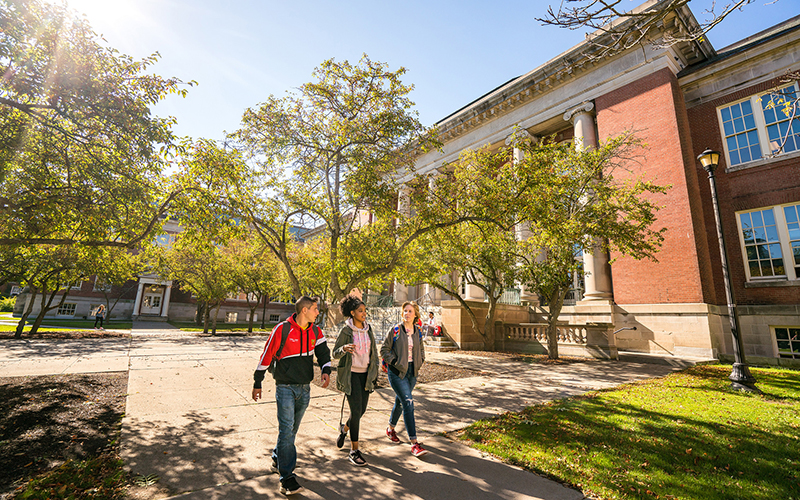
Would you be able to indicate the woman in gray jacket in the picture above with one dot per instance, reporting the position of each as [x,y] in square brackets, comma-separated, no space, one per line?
[357,371]
[403,352]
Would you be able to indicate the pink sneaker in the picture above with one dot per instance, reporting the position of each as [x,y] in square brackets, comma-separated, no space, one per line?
[417,450]
[392,435]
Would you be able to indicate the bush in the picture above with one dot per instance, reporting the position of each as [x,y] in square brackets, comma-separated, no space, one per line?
[7,305]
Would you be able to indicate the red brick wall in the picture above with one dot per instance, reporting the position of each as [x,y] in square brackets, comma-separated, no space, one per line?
[773,183]
[654,109]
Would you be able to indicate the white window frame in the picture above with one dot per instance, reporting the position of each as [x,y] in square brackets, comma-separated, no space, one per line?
[102,288]
[783,238]
[65,305]
[15,290]
[274,318]
[772,328]
[761,128]
[231,317]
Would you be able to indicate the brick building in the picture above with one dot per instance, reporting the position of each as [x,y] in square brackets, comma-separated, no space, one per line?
[679,100]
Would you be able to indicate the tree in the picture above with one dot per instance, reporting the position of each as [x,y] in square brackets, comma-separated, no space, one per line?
[571,200]
[326,155]
[617,30]
[199,265]
[481,252]
[255,272]
[81,155]
[115,274]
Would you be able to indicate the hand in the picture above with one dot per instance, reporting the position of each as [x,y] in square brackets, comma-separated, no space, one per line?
[350,348]
[326,379]
[256,394]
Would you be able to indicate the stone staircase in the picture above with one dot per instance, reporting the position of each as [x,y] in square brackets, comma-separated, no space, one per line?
[440,344]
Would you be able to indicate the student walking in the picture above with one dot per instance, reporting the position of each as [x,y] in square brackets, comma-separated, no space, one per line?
[289,356]
[357,371]
[99,315]
[403,352]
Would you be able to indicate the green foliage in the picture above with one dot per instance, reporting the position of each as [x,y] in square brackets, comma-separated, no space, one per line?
[7,304]
[81,155]
[99,478]
[684,436]
[325,155]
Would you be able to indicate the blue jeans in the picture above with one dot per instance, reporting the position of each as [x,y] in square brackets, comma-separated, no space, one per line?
[292,401]
[403,401]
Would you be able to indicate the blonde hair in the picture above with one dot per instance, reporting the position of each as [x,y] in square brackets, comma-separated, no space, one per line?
[416,309]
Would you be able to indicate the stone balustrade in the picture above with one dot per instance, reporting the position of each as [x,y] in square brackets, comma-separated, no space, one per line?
[591,339]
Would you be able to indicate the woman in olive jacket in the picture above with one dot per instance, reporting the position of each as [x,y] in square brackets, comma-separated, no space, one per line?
[404,365]
[357,371]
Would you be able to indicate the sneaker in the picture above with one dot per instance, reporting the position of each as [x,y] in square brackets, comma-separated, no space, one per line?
[357,459]
[417,450]
[290,486]
[342,435]
[392,435]
[274,467]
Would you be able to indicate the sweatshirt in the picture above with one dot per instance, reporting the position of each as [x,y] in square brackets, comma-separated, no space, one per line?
[296,363]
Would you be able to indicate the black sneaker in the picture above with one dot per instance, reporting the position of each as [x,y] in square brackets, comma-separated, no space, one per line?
[342,435]
[357,459]
[274,467]
[290,486]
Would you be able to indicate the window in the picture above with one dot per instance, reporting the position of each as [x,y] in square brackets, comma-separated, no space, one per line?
[759,124]
[255,317]
[770,242]
[66,309]
[15,290]
[100,285]
[788,342]
[231,317]
[274,318]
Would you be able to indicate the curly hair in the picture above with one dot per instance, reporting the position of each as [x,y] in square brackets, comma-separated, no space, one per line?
[350,304]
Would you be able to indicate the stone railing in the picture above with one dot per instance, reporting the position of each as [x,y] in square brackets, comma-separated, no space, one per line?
[592,339]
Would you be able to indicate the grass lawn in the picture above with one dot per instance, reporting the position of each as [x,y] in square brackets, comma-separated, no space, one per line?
[190,326]
[683,436]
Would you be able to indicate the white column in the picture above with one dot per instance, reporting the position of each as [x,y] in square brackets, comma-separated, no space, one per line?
[596,267]
[404,209]
[138,300]
[167,295]
[522,231]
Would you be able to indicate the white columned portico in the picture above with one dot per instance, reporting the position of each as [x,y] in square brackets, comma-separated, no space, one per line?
[596,267]
[404,209]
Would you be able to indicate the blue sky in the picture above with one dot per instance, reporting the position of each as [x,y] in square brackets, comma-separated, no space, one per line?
[241,51]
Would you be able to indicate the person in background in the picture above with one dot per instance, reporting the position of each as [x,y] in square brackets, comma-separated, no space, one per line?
[403,352]
[99,315]
[293,371]
[357,372]
[430,325]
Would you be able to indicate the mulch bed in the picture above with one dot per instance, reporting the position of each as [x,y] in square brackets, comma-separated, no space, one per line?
[430,372]
[529,358]
[47,420]
[68,334]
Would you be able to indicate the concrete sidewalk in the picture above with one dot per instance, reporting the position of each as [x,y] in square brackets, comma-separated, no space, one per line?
[190,420]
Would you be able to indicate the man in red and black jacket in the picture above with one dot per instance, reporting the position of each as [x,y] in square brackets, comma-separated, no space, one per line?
[293,373]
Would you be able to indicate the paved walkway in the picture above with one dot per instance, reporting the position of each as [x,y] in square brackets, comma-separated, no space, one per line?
[190,419]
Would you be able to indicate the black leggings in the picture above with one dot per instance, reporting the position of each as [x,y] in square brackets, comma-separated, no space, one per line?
[357,400]
[100,319]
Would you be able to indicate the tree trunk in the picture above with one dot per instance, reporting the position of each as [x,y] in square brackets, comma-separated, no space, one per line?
[46,308]
[556,303]
[206,315]
[216,315]
[25,314]
[199,317]
[264,313]
[488,328]
[252,312]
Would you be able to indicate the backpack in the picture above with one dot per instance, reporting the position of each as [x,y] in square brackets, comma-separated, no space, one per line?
[286,328]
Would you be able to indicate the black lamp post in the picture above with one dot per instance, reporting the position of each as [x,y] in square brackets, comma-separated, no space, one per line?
[740,376]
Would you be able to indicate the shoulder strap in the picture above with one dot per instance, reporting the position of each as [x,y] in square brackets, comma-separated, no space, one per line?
[285,329]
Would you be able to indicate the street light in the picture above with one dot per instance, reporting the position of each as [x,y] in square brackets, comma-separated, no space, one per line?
[740,376]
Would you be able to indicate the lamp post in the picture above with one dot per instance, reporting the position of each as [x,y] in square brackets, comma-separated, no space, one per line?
[740,376]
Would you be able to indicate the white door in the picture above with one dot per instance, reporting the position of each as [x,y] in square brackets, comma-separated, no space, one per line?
[151,303]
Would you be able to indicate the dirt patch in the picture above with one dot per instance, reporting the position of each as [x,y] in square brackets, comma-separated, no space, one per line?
[430,372]
[67,334]
[47,420]
[528,358]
